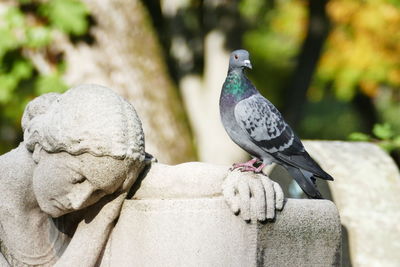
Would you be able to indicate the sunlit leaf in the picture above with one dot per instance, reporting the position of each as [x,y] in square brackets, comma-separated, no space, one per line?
[7,41]
[14,18]
[22,69]
[357,136]
[67,15]
[383,131]
[7,86]
[38,37]
[50,83]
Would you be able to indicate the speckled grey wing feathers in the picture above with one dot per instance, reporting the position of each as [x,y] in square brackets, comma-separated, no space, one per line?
[267,129]
[264,124]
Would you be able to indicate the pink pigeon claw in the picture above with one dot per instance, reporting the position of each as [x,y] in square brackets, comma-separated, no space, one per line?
[249,163]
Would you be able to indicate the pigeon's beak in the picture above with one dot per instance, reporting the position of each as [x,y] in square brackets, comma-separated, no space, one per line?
[247,64]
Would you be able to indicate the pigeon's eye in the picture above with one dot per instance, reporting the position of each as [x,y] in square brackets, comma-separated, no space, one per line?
[236,57]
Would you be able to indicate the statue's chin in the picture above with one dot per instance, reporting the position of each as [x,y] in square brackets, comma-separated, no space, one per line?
[53,211]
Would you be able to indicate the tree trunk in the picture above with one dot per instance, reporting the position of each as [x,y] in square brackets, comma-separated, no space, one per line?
[199,56]
[126,56]
[296,91]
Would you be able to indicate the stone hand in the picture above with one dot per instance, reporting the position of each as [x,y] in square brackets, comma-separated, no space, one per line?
[252,195]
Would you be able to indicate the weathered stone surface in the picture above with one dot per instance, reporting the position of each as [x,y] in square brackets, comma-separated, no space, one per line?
[203,180]
[203,232]
[78,147]
[164,182]
[366,191]
[63,188]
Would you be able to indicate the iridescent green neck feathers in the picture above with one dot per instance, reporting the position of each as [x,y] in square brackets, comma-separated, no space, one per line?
[234,84]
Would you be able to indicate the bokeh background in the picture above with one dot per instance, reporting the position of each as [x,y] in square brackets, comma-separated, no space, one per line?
[331,67]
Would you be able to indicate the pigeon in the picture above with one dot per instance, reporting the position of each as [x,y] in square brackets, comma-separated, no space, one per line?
[256,125]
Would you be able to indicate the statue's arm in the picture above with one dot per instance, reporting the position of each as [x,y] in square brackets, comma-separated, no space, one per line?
[92,232]
[253,195]
[186,180]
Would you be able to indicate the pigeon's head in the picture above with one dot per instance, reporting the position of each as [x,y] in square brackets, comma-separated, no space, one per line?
[239,59]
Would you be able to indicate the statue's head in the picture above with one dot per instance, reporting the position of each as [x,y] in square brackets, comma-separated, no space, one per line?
[87,143]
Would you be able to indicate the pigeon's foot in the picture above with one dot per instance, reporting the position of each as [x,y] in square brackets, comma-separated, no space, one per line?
[260,168]
[248,169]
[247,166]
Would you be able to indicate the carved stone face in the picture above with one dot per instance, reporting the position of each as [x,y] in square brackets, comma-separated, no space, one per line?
[63,183]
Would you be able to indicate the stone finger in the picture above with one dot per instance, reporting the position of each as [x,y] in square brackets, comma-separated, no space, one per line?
[244,194]
[235,205]
[258,195]
[269,197]
[279,197]
[228,190]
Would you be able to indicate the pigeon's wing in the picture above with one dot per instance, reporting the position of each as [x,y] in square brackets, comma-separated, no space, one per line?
[266,128]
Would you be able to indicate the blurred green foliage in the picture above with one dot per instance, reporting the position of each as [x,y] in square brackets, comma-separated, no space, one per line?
[362,51]
[29,64]
[360,56]
[69,16]
[383,135]
[274,38]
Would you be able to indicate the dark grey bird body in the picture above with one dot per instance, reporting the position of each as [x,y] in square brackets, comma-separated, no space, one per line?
[255,125]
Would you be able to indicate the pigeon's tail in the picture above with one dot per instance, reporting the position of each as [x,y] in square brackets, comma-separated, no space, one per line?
[305,180]
[304,162]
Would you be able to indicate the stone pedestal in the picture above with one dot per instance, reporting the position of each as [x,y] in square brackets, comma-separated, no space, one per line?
[366,191]
[204,232]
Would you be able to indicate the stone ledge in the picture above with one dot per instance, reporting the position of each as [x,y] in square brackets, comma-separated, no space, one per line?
[204,232]
[366,192]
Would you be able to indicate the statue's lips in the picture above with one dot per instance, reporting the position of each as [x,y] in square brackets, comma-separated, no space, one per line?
[59,205]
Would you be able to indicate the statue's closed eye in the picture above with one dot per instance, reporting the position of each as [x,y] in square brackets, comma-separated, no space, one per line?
[99,193]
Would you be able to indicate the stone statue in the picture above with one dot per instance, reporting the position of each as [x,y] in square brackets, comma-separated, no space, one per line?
[63,187]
